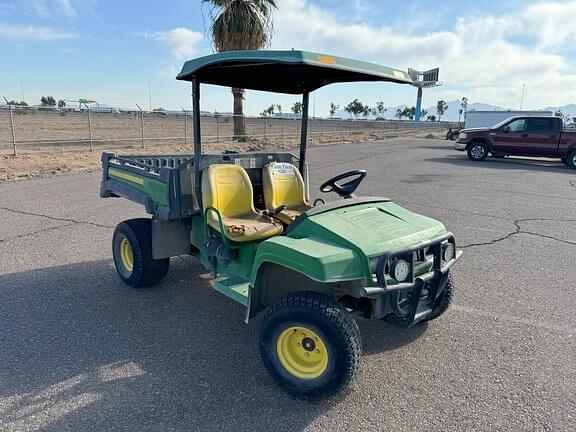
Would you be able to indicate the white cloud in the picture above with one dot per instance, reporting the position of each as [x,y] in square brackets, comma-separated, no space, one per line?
[554,23]
[481,55]
[66,8]
[52,8]
[182,42]
[30,33]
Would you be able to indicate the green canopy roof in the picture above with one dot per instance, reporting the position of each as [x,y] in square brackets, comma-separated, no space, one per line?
[292,72]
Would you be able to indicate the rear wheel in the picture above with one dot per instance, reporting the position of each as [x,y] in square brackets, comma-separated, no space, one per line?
[477,151]
[571,160]
[132,251]
[310,345]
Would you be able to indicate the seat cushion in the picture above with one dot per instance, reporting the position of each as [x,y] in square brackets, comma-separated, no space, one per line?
[283,185]
[245,228]
[287,216]
[228,189]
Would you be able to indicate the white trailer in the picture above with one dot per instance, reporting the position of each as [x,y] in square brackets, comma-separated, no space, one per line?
[482,119]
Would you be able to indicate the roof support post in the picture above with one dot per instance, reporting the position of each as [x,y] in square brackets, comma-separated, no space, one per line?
[304,132]
[197,139]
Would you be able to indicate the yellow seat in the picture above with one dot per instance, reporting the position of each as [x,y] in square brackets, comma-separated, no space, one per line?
[283,185]
[228,189]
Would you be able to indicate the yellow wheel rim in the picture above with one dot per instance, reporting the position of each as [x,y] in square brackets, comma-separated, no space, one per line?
[126,255]
[302,352]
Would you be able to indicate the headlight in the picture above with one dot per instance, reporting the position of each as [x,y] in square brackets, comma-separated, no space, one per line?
[449,251]
[462,135]
[400,270]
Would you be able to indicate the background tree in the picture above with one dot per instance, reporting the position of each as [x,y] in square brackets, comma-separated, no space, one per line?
[399,114]
[279,108]
[409,113]
[21,103]
[48,101]
[463,108]
[61,103]
[423,113]
[268,111]
[240,25]
[297,108]
[431,118]
[356,108]
[380,110]
[333,108]
[441,107]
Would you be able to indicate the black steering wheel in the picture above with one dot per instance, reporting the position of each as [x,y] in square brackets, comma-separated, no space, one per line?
[347,189]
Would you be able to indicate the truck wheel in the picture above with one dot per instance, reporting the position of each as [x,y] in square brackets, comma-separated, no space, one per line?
[571,160]
[310,345]
[132,251]
[477,151]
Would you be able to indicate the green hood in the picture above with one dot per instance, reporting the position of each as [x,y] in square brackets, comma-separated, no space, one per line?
[374,228]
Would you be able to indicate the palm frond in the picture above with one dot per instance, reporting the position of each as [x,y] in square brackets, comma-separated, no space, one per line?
[240,24]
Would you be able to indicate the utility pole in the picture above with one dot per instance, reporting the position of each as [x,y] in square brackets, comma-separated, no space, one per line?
[150,95]
[522,98]
[21,91]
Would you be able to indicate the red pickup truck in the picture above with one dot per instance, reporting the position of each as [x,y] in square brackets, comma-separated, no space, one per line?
[521,136]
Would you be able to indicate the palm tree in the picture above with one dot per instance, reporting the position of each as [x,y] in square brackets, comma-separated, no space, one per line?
[240,25]
[441,107]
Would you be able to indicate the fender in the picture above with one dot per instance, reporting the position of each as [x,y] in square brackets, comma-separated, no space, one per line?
[284,264]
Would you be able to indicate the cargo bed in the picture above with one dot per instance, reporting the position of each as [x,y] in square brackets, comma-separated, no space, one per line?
[164,184]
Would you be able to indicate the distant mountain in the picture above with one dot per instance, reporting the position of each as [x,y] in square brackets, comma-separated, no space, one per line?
[569,109]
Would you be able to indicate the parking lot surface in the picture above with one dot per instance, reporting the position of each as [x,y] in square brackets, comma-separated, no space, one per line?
[79,351]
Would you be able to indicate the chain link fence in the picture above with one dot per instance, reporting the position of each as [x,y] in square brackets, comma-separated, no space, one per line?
[25,129]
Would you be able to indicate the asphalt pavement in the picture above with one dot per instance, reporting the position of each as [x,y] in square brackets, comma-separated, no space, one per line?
[79,351]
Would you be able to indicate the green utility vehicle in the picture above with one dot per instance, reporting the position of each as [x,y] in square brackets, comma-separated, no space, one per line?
[247,217]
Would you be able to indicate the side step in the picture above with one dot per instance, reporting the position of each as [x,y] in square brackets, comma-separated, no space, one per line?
[236,289]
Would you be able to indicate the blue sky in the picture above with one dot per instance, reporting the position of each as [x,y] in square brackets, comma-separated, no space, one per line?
[109,50]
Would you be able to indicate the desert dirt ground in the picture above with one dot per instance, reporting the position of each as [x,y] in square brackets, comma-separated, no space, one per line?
[52,143]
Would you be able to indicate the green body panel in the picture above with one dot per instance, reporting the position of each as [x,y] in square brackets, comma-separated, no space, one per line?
[336,245]
[314,257]
[234,288]
[156,190]
[373,228]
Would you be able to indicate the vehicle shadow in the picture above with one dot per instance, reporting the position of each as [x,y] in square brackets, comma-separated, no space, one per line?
[80,350]
[508,163]
[379,336]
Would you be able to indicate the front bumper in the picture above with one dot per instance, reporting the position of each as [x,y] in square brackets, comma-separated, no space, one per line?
[433,281]
[461,146]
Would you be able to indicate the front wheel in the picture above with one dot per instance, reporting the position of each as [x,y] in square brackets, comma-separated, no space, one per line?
[477,151]
[571,160]
[132,251]
[310,345]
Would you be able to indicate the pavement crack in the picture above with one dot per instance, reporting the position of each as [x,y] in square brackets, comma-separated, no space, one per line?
[518,230]
[74,221]
[35,232]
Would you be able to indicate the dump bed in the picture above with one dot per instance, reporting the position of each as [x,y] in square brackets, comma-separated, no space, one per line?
[164,184]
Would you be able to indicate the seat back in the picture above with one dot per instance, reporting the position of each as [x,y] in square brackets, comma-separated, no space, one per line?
[228,189]
[283,184]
